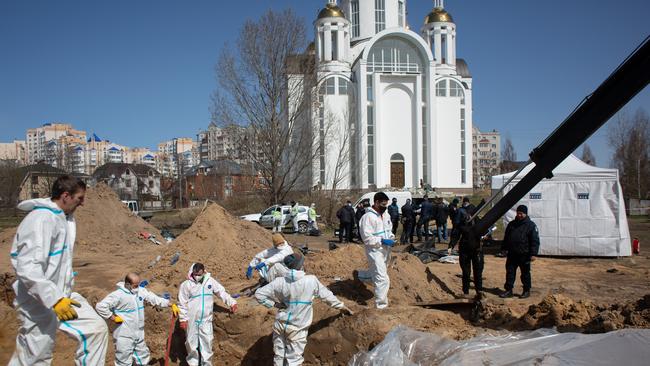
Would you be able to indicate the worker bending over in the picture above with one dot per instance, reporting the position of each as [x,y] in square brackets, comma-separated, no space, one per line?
[293,295]
[264,260]
[195,300]
[375,229]
[41,255]
[125,307]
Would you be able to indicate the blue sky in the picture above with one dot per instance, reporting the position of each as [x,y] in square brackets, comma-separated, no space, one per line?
[140,72]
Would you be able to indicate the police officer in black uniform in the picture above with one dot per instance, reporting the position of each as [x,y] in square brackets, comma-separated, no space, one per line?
[521,241]
[470,252]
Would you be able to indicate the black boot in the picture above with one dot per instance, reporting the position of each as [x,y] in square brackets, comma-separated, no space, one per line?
[525,294]
[506,294]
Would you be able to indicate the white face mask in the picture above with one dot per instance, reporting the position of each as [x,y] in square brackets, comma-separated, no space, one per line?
[198,278]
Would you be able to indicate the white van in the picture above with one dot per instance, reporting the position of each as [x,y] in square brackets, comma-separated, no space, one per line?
[401,196]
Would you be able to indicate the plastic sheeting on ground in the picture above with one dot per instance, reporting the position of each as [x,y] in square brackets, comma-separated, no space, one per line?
[407,347]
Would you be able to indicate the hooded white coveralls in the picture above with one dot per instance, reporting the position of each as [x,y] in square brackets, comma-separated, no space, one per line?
[195,301]
[270,257]
[296,290]
[128,336]
[41,255]
[374,227]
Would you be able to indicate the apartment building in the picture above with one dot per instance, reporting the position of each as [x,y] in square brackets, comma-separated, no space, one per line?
[170,153]
[486,156]
[39,146]
[13,151]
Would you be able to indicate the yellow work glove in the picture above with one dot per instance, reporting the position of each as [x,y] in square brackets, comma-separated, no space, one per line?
[63,309]
[118,319]
[175,310]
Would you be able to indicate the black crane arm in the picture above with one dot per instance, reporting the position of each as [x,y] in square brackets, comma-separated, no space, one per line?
[622,85]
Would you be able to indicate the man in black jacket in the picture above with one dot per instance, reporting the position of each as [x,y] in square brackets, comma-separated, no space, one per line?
[470,253]
[442,213]
[346,222]
[393,212]
[521,240]
[408,220]
[426,214]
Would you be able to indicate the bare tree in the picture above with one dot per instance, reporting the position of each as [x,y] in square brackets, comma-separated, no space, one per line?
[508,157]
[266,86]
[629,137]
[587,156]
[11,176]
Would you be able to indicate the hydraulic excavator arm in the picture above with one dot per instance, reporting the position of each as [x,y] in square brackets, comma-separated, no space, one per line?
[630,78]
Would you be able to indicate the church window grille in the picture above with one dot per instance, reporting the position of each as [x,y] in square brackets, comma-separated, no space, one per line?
[369,88]
[380,15]
[441,88]
[371,145]
[394,54]
[343,86]
[463,173]
[355,18]
[335,46]
[330,86]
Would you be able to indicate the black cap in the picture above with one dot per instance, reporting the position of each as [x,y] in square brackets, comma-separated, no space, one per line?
[455,201]
[294,261]
[394,199]
[380,196]
[465,199]
[522,208]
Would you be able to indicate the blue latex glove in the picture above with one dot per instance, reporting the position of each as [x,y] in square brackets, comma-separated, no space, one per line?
[388,242]
[249,272]
[166,295]
[260,266]
[144,283]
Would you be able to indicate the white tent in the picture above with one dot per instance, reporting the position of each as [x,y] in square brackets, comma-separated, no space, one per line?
[580,211]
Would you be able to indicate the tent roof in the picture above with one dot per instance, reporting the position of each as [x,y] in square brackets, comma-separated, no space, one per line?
[571,169]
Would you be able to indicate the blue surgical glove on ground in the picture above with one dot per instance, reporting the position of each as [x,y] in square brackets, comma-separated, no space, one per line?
[388,242]
[249,272]
[260,266]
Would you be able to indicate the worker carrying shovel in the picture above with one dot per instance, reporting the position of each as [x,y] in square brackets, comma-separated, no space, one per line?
[125,307]
[196,301]
[41,255]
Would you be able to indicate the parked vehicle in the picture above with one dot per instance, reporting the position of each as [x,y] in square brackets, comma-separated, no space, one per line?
[135,208]
[265,218]
[400,195]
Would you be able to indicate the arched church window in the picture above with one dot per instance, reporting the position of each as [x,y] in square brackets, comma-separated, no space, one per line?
[456,90]
[394,54]
[397,157]
[441,88]
[343,86]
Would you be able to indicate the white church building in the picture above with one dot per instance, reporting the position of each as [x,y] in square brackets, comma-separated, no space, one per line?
[399,102]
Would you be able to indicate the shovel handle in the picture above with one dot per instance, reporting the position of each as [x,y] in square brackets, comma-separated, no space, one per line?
[169,339]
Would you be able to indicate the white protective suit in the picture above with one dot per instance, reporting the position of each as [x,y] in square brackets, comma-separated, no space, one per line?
[270,257]
[41,255]
[296,291]
[374,227]
[129,335]
[195,301]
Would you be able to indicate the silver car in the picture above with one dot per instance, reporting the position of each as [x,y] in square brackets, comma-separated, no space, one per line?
[265,219]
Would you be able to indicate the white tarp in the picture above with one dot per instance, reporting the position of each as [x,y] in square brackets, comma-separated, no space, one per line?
[407,347]
[579,212]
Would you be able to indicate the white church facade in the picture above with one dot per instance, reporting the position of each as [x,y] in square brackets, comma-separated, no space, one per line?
[397,105]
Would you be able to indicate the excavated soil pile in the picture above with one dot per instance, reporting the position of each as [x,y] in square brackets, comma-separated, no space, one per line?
[105,224]
[410,279]
[225,244]
[571,316]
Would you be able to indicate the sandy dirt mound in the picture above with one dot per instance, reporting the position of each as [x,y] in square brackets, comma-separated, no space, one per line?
[568,315]
[105,224]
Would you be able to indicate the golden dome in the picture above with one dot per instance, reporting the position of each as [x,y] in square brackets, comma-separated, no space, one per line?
[331,11]
[438,15]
